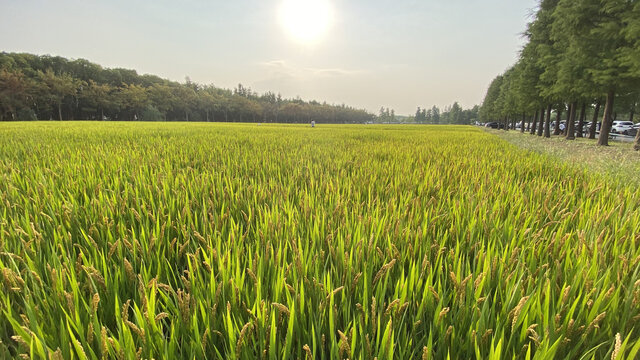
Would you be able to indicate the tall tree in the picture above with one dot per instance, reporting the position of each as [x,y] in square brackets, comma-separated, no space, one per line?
[547,123]
[435,114]
[608,49]
[489,110]
[133,99]
[62,89]
[98,97]
[14,92]
[59,88]
[546,55]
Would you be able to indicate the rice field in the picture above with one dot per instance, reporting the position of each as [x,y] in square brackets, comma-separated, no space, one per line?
[224,241]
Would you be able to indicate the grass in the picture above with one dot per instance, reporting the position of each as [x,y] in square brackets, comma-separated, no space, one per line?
[224,241]
[618,160]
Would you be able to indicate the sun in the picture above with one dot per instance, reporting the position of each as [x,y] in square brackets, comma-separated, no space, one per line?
[306,20]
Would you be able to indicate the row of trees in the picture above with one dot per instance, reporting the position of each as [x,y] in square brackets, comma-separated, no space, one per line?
[581,56]
[44,87]
[453,114]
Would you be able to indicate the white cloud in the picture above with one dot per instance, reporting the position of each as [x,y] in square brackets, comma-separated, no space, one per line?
[281,69]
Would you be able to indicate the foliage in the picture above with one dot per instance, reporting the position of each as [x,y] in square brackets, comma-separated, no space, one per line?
[453,114]
[54,87]
[151,113]
[577,52]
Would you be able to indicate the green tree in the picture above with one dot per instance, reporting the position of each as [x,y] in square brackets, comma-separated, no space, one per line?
[455,114]
[489,110]
[162,97]
[185,100]
[14,93]
[134,99]
[608,51]
[418,116]
[99,97]
[58,88]
[208,103]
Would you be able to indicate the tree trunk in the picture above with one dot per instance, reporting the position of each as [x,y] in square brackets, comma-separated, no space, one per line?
[547,123]
[207,115]
[570,128]
[566,125]
[535,123]
[186,114]
[583,116]
[636,147]
[556,130]
[541,125]
[603,138]
[594,123]
[60,112]
[524,117]
[631,115]
[531,121]
[505,122]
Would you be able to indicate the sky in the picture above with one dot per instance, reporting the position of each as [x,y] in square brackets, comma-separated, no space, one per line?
[399,54]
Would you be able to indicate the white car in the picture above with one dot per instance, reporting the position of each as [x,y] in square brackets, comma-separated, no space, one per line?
[622,127]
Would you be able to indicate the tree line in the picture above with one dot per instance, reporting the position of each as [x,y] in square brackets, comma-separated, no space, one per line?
[581,58]
[452,114]
[46,87]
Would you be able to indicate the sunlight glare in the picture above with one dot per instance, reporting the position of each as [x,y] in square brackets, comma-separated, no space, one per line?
[306,20]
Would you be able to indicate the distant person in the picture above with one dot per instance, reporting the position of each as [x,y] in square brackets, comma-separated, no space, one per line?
[313,123]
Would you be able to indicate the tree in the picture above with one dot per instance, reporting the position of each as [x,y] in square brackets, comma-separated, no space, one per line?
[608,51]
[529,80]
[14,93]
[185,100]
[207,102]
[58,87]
[162,97]
[577,52]
[133,99]
[489,110]
[455,114]
[572,21]
[98,97]
[419,116]
[546,54]
[435,114]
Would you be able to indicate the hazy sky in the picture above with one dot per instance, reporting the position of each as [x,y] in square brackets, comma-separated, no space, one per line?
[400,54]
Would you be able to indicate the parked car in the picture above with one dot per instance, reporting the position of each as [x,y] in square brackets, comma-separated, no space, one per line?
[587,127]
[622,127]
[494,125]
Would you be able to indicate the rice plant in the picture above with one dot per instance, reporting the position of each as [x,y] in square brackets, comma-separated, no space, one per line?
[226,241]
